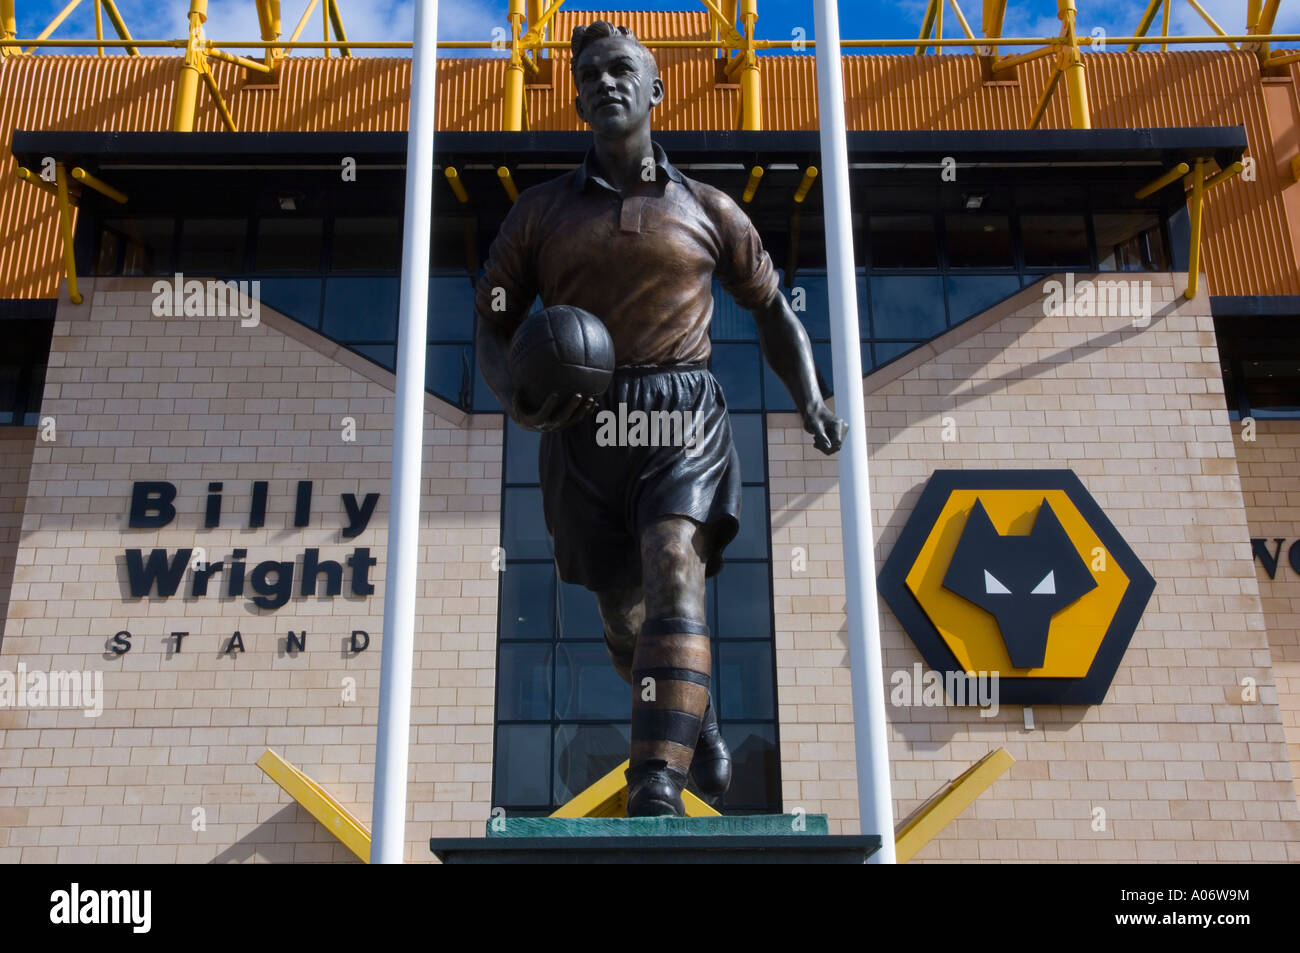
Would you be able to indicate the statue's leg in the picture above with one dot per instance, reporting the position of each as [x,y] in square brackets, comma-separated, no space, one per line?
[672,652]
[622,611]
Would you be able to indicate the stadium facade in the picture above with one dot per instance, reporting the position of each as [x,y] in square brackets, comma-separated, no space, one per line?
[196,478]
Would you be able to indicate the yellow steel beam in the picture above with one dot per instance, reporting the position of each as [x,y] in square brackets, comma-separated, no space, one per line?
[457,186]
[961,18]
[65,231]
[268,22]
[927,24]
[211,83]
[1282,60]
[319,804]
[806,184]
[1263,24]
[729,34]
[119,26]
[1007,62]
[187,85]
[336,20]
[59,18]
[921,826]
[1196,206]
[537,29]
[938,26]
[243,61]
[8,27]
[99,185]
[1160,181]
[751,80]
[99,25]
[994,13]
[508,183]
[607,797]
[31,178]
[1164,24]
[325,25]
[1210,20]
[1223,175]
[1148,15]
[1043,100]
[302,22]
[1076,78]
[512,119]
[751,187]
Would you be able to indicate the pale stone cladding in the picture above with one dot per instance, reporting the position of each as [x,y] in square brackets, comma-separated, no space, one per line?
[1178,766]
[193,400]
[1270,484]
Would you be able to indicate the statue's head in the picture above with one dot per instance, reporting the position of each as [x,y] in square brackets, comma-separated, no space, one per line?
[617,79]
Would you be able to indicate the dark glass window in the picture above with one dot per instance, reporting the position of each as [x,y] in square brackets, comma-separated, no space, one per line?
[361,309]
[1130,241]
[979,241]
[523,763]
[22,369]
[586,753]
[736,368]
[744,688]
[969,295]
[1260,357]
[366,243]
[523,525]
[527,610]
[907,306]
[586,685]
[448,372]
[1272,385]
[1055,241]
[886,351]
[297,298]
[525,673]
[289,244]
[903,241]
[213,246]
[451,308]
[138,246]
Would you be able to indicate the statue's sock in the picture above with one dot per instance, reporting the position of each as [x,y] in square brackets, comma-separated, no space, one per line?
[670,691]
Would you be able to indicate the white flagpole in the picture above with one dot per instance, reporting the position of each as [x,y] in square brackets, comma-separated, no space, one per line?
[870,737]
[392,747]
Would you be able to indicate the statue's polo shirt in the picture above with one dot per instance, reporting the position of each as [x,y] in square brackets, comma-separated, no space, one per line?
[642,262]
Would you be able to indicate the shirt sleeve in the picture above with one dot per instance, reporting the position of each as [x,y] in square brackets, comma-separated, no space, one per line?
[508,285]
[745,269]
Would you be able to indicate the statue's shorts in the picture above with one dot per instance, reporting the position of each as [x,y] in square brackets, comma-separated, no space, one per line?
[658,444]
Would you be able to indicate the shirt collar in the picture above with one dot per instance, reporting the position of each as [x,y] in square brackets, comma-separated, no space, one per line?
[588,171]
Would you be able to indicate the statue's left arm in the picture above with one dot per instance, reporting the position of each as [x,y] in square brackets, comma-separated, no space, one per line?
[788,351]
[746,273]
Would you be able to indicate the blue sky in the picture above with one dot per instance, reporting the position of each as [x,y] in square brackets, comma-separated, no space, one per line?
[474,19]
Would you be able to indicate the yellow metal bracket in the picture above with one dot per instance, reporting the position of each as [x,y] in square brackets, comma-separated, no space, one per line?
[755,177]
[1195,210]
[99,185]
[920,827]
[31,178]
[608,798]
[1158,183]
[65,230]
[805,185]
[319,804]
[457,186]
[508,183]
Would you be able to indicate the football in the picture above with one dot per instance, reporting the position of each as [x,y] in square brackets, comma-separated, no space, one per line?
[561,350]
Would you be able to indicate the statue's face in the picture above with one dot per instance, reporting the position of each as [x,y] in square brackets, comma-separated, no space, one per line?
[616,87]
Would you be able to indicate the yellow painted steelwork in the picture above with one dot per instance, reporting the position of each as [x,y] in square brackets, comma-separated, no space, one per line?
[65,232]
[1223,175]
[805,185]
[921,826]
[512,119]
[59,18]
[318,803]
[31,178]
[1075,78]
[99,25]
[1194,210]
[99,185]
[457,186]
[336,21]
[508,183]
[211,83]
[751,187]
[607,797]
[119,25]
[751,80]
[971,634]
[238,60]
[8,27]
[302,22]
[187,86]
[1158,183]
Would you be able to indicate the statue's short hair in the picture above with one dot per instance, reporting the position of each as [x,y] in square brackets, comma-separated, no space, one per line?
[584,36]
